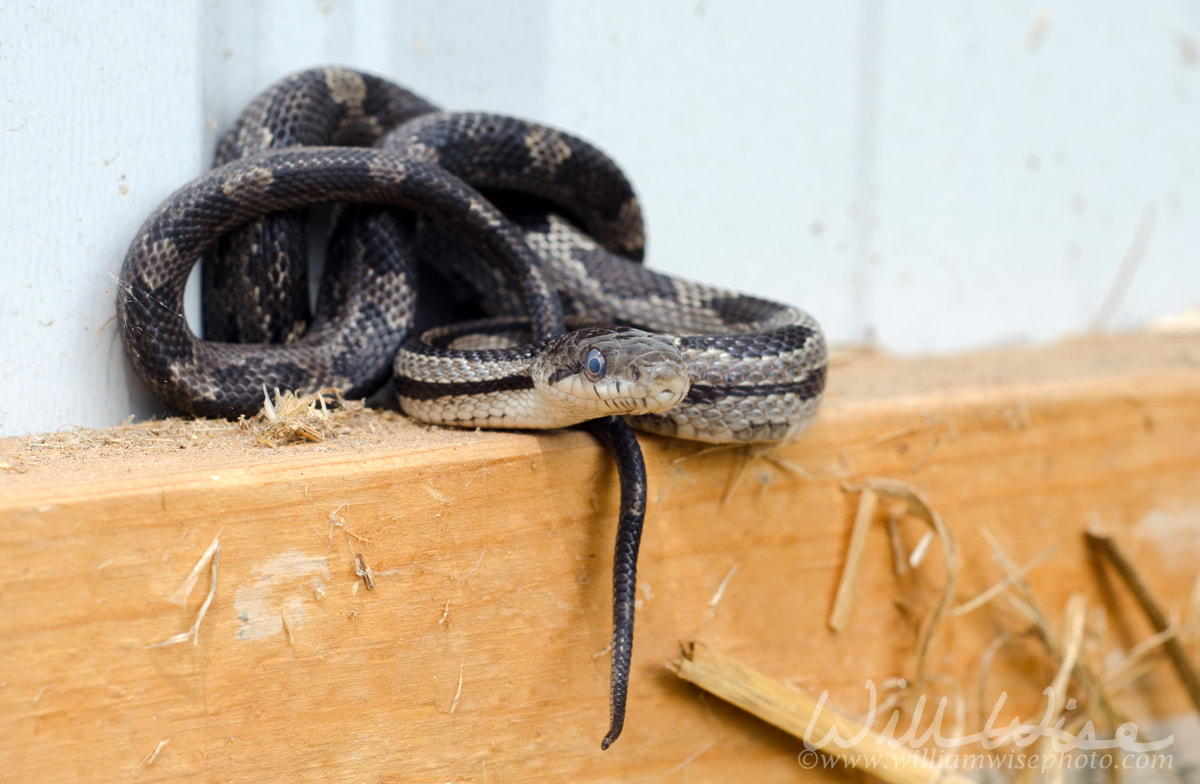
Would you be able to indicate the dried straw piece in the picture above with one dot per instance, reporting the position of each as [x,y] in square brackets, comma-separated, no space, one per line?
[1056,693]
[920,508]
[1101,544]
[858,543]
[291,418]
[813,721]
[1029,606]
[999,587]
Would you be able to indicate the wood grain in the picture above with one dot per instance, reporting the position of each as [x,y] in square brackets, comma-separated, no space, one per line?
[479,656]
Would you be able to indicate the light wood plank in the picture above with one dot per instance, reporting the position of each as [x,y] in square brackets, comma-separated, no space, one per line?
[478,655]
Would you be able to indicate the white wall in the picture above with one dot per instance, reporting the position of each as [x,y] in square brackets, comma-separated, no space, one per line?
[932,175]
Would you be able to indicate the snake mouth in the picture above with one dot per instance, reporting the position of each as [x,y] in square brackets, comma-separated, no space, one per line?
[620,397]
[667,386]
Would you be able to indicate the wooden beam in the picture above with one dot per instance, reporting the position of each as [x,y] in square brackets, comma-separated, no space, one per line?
[479,655]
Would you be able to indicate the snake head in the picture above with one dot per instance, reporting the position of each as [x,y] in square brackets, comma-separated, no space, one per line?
[603,371]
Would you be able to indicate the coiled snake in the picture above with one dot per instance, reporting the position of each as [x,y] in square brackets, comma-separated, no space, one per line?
[647,350]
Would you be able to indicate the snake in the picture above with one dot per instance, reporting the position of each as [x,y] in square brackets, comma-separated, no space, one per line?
[538,228]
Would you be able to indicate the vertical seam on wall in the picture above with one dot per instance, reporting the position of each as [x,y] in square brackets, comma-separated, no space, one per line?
[863,186]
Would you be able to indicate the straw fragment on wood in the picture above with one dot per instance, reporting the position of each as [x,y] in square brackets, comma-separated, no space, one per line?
[798,714]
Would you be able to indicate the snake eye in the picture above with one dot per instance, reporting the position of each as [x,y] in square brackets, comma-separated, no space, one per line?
[594,365]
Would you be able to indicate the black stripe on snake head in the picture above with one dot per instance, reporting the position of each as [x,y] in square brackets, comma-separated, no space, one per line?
[433,390]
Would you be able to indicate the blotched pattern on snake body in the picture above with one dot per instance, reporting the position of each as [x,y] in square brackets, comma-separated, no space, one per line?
[410,181]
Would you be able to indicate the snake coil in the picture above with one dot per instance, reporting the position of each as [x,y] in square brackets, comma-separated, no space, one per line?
[540,228]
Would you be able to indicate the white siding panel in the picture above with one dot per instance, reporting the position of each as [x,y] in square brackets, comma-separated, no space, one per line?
[1012,179]
[933,175]
[101,118]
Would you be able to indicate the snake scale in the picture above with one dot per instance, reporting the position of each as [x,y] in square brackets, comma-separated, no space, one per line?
[538,227]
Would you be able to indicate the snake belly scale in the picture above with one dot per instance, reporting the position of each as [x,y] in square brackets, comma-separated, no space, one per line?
[539,228]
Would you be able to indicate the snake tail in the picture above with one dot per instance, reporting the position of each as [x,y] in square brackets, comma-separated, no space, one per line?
[617,436]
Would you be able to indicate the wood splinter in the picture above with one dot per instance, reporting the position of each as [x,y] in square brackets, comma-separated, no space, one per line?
[362,570]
